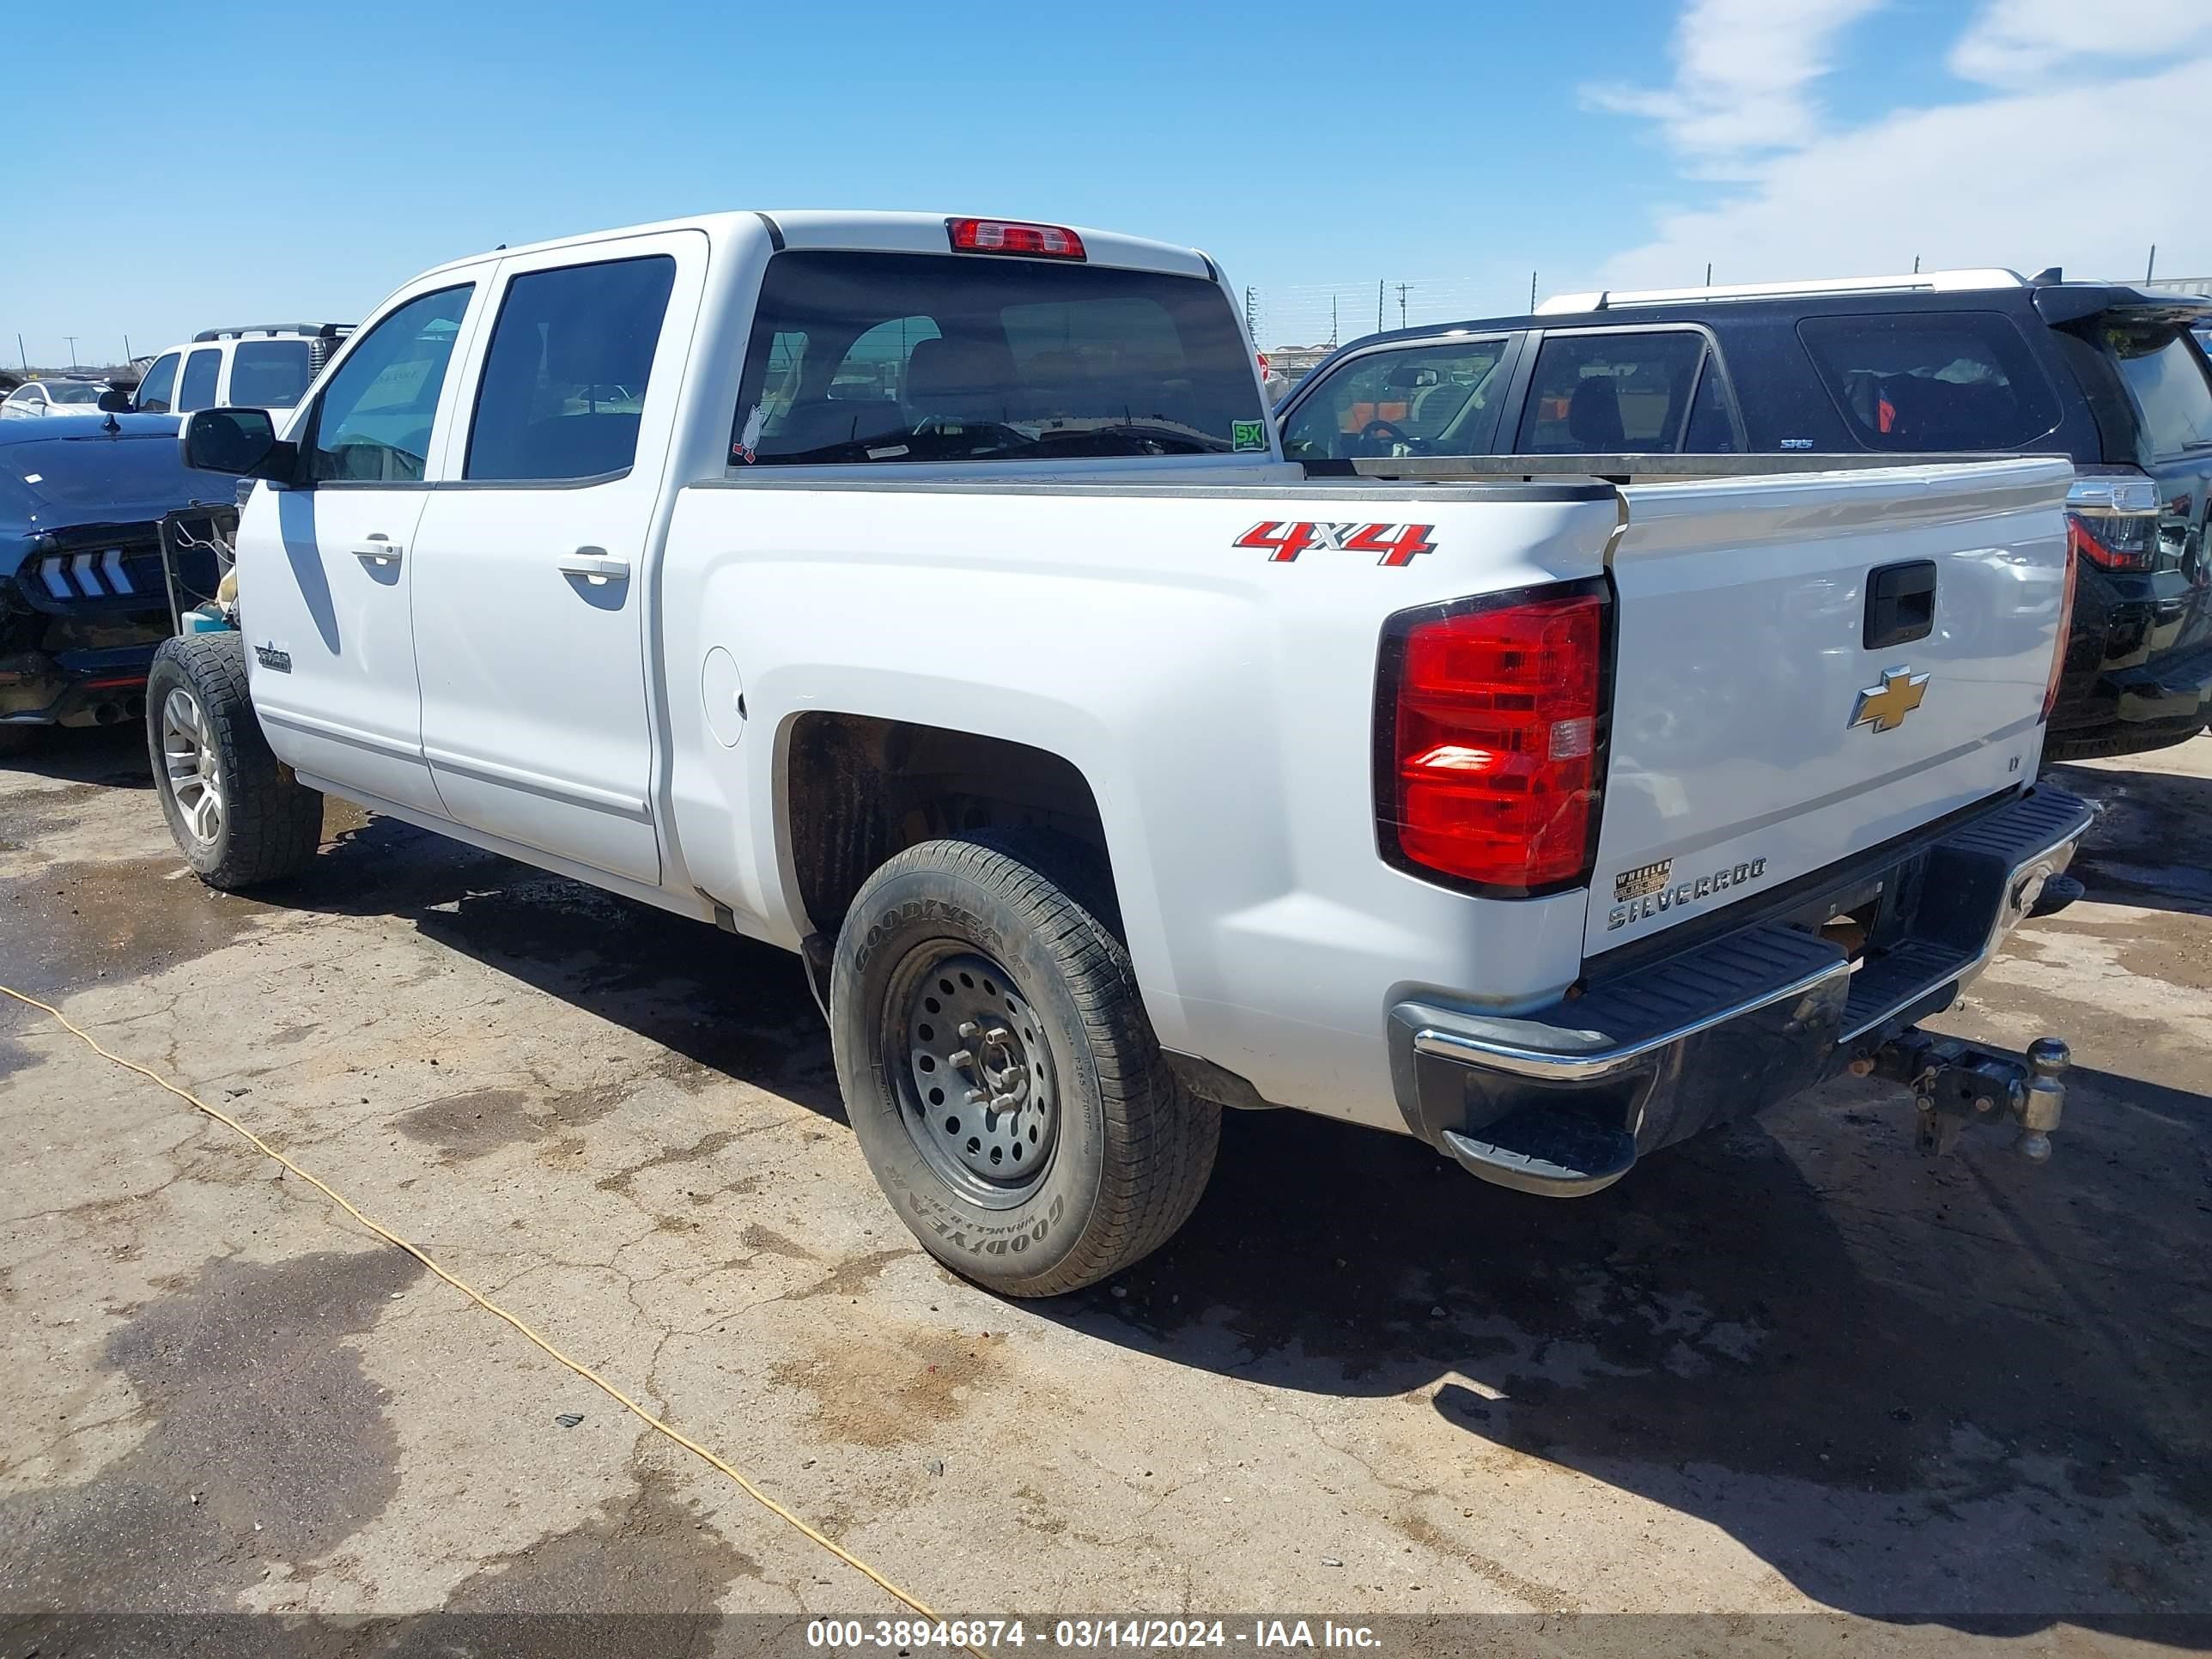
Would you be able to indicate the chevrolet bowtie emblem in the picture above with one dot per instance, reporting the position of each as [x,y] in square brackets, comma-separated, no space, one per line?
[1884,706]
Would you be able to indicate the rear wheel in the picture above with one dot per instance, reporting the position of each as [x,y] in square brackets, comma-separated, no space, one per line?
[1001,1073]
[239,816]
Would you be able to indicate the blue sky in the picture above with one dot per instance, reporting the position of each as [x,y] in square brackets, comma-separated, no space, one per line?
[260,165]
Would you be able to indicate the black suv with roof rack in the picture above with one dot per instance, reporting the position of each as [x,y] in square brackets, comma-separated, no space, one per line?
[1943,362]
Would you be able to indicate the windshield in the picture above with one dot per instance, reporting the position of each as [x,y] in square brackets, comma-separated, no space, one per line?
[895,357]
[270,373]
[128,470]
[75,391]
[2165,378]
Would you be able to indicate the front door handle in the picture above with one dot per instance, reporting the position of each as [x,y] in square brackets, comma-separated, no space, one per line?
[380,550]
[595,567]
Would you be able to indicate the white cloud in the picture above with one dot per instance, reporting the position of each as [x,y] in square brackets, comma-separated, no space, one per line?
[2020,43]
[1743,75]
[2070,168]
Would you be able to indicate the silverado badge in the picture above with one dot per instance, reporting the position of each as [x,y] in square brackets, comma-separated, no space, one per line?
[1650,889]
[1884,706]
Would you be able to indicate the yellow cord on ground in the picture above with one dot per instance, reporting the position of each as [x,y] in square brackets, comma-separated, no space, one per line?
[487,1305]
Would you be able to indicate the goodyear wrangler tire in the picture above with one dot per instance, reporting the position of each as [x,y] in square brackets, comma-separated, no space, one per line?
[239,816]
[999,1071]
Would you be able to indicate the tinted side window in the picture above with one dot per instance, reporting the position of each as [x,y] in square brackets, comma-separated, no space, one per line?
[564,381]
[270,373]
[889,358]
[1932,381]
[1596,393]
[371,422]
[153,391]
[1437,399]
[2167,383]
[198,390]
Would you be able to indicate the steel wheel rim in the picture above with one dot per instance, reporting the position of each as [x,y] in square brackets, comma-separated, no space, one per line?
[977,1089]
[189,761]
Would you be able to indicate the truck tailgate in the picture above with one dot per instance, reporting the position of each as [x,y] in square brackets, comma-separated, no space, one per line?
[1780,702]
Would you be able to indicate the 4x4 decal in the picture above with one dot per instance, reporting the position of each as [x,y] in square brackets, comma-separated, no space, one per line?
[1397,543]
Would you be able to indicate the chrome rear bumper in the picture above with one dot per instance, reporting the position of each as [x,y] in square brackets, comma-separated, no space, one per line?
[1564,1100]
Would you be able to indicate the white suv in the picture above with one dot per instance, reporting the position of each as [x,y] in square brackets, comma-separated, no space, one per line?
[265,366]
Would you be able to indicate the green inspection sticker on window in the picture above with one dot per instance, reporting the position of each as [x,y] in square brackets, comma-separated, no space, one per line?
[1247,434]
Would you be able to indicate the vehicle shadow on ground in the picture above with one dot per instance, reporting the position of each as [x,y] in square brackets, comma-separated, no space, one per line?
[2152,846]
[113,756]
[1901,1385]
[728,1005]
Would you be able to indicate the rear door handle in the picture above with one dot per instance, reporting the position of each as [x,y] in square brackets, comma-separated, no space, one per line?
[595,566]
[380,550]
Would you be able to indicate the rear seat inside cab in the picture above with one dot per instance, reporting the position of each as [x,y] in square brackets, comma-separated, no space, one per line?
[579,366]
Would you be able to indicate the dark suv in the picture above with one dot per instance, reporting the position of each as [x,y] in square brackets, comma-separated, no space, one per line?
[1947,361]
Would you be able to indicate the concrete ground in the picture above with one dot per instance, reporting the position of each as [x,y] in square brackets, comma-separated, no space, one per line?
[1790,1367]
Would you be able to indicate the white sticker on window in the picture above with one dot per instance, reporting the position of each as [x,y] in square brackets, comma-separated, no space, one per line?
[749,440]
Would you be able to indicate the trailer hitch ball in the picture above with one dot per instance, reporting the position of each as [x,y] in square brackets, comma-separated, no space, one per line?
[1955,1084]
[2043,1102]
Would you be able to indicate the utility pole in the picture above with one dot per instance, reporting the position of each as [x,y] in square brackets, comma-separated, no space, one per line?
[1916,264]
[1403,287]
[126,347]
[1332,319]
[1708,273]
[71,338]
[24,354]
[2151,264]
[1532,290]
[1378,304]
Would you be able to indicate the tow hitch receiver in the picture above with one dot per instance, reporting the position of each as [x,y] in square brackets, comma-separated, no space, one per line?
[1955,1084]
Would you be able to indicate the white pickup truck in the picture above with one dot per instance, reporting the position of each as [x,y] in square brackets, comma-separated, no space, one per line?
[928,596]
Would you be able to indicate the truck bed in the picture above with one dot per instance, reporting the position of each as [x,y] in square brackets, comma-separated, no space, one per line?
[1220,701]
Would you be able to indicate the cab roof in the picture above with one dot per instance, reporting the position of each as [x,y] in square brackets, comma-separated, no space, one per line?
[886,233]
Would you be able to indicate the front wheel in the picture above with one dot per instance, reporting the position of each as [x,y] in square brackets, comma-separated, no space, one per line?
[239,816]
[1001,1076]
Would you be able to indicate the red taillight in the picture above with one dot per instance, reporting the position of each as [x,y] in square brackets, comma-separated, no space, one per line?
[2113,541]
[1492,773]
[2065,629]
[1014,236]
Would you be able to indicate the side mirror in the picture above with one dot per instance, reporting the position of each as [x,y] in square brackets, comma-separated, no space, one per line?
[114,402]
[241,443]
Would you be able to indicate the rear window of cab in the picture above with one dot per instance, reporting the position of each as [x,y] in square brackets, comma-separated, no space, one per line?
[887,358]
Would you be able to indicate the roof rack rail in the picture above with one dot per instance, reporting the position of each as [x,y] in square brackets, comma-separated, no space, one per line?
[1927,282]
[321,331]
